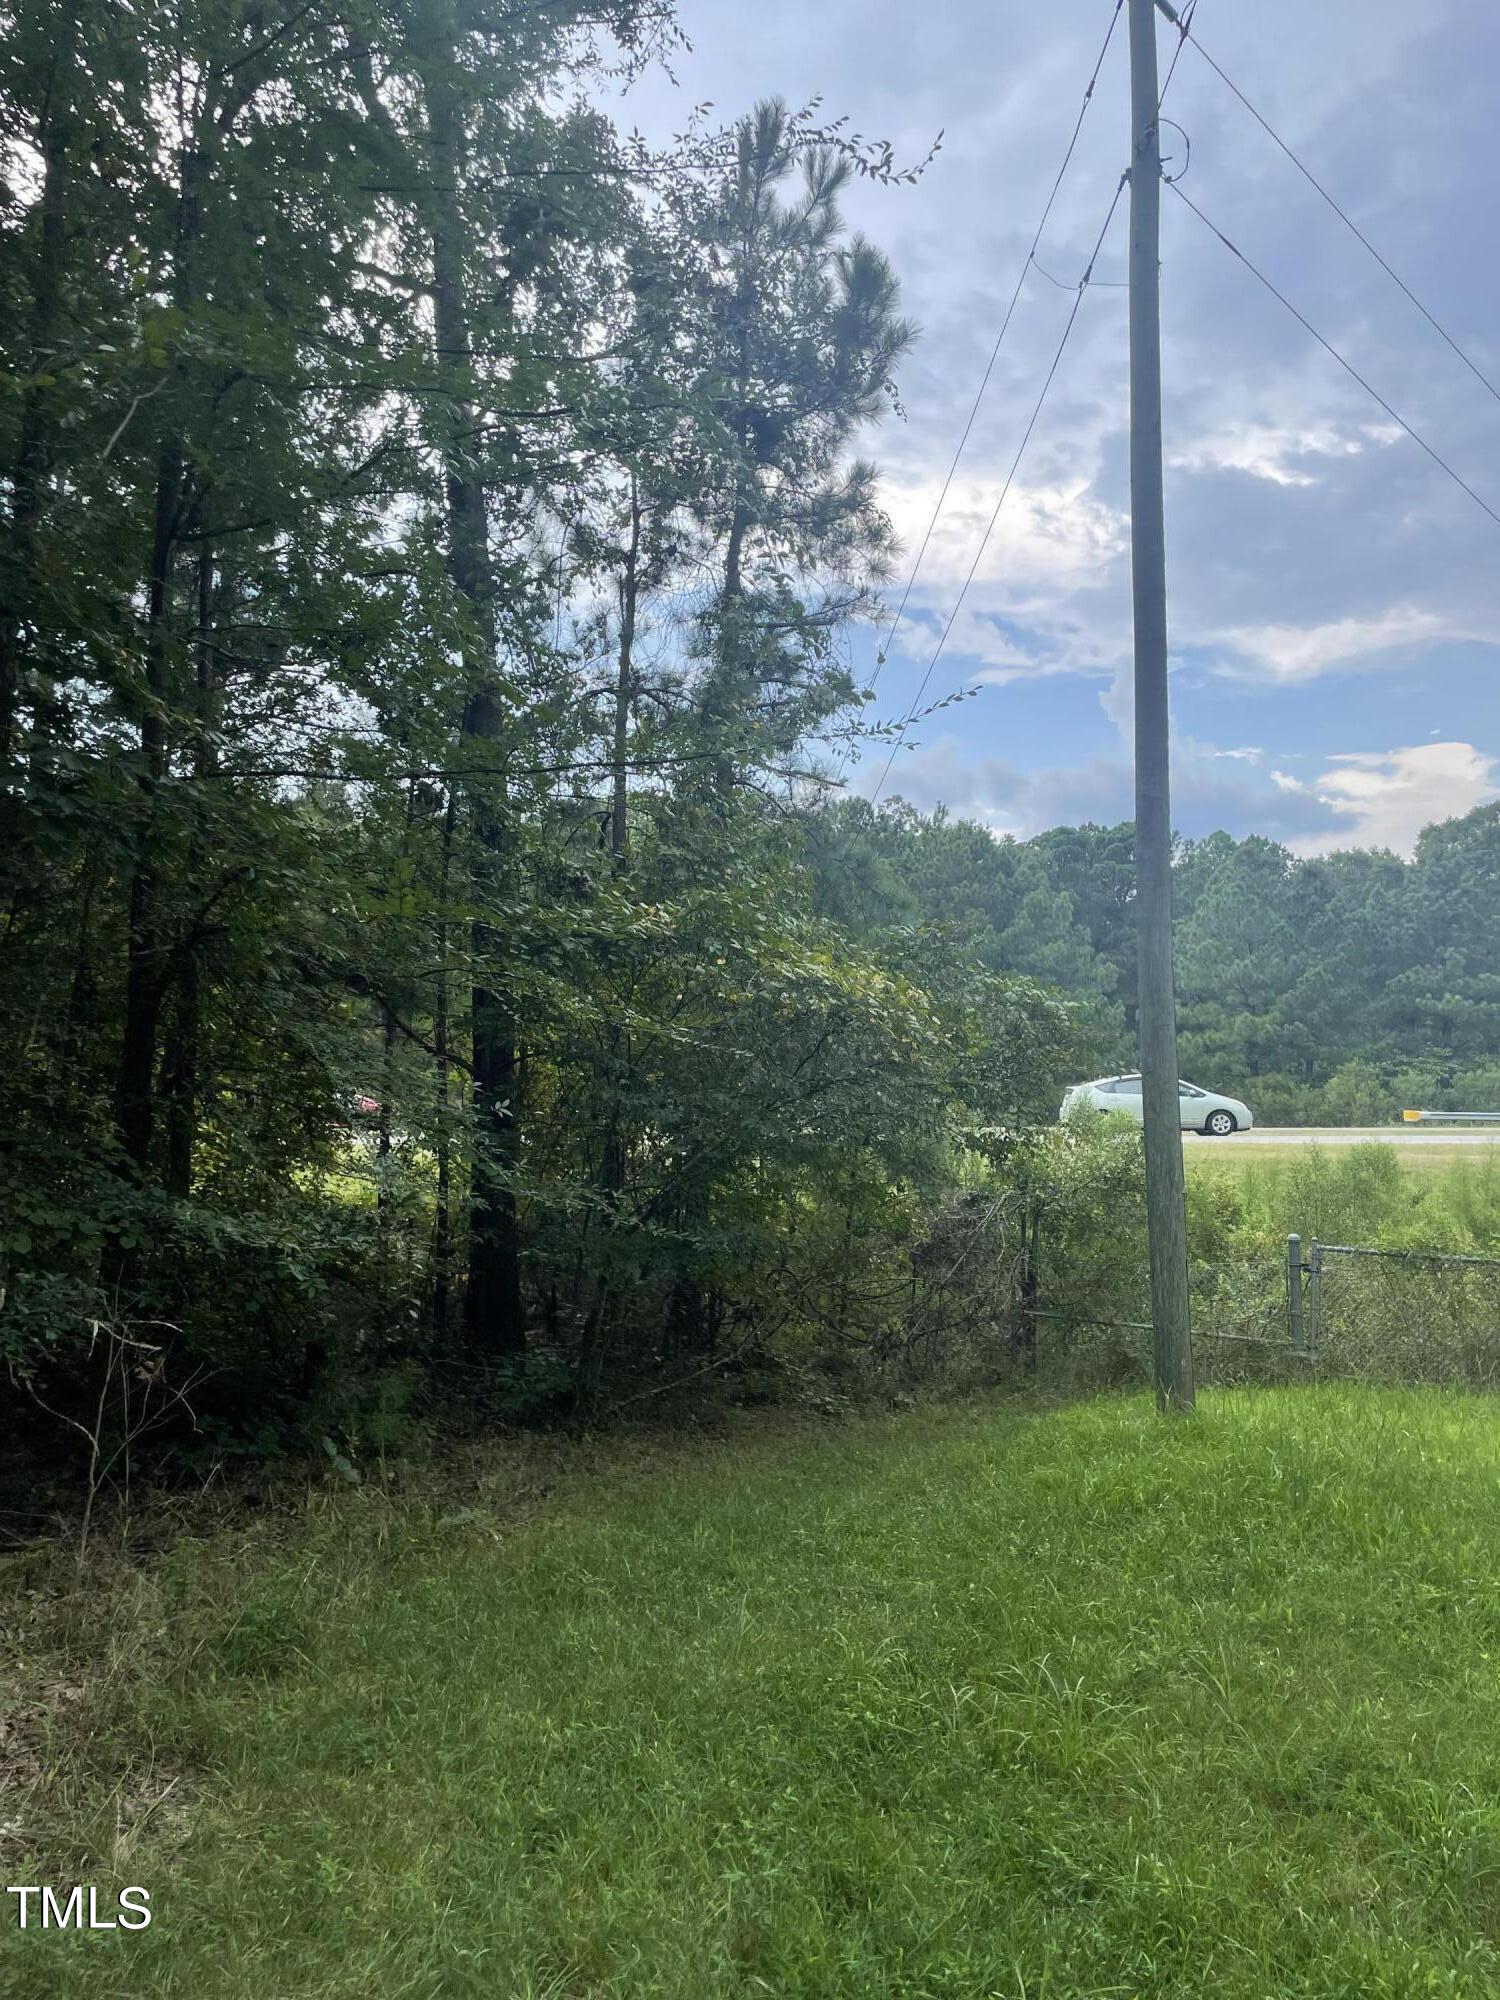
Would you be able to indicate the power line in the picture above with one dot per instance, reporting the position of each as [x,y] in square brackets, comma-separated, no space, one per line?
[1101,284]
[1083,285]
[1182,24]
[1185,31]
[1347,365]
[1000,336]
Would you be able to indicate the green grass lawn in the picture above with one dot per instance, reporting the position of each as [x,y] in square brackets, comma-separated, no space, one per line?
[998,1702]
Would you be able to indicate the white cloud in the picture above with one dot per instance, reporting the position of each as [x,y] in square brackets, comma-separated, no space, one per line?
[1385,798]
[1278,452]
[1050,588]
[1047,536]
[1300,652]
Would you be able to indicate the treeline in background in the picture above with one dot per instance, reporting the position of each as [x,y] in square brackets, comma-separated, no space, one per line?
[432,975]
[1338,990]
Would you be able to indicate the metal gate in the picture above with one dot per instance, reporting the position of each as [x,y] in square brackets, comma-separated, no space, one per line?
[1420,1316]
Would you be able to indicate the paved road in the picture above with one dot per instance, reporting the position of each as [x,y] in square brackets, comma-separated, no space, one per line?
[1477,1136]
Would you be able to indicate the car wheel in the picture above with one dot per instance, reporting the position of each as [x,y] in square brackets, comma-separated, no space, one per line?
[1221,1124]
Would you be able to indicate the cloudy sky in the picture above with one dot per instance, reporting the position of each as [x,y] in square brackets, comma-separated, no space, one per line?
[1334,598]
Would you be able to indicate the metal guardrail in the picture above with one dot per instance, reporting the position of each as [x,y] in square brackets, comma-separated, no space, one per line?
[1450,1117]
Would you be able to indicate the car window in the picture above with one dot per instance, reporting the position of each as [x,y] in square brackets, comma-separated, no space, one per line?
[1191,1090]
[1128,1086]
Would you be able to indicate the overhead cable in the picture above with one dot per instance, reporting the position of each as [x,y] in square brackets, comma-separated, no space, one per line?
[1343,360]
[989,368]
[1083,285]
[1186,33]
[1031,262]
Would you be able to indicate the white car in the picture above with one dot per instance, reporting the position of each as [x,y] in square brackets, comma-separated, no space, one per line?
[1199,1110]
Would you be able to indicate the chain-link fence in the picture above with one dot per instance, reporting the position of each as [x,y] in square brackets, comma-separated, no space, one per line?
[1009,1285]
[1395,1315]
[1329,1310]
[1092,1334]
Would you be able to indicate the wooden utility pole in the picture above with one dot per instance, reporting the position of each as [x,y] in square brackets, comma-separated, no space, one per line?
[1166,1222]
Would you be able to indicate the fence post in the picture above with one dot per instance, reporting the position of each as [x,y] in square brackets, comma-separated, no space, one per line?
[1314,1299]
[1031,1289]
[1294,1293]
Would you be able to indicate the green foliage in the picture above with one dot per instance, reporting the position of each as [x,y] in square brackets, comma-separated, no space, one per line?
[1365,1195]
[531,1386]
[1338,990]
[363,957]
[1343,989]
[432,525]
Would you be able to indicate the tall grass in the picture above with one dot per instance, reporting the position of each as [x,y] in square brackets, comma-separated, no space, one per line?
[1023,1704]
[1346,1194]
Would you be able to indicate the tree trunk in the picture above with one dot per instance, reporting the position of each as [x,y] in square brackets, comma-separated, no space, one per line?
[614,1161]
[442,1217]
[180,1079]
[383,1139]
[184,1062]
[613,1169]
[147,958]
[34,451]
[630,584]
[1023,1345]
[493,1311]
[590,1357]
[145,971]
[726,680]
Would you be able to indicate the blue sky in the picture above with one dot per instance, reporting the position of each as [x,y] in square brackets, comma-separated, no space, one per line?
[1334,599]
